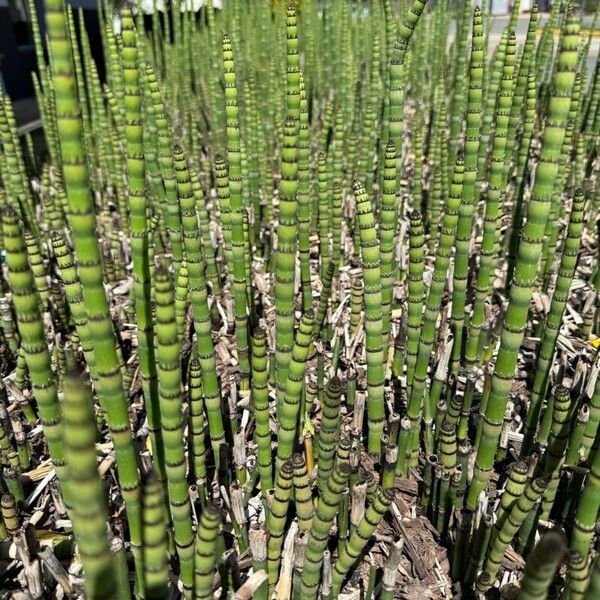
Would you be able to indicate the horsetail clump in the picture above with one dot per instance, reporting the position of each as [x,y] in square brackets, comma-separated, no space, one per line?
[297,319]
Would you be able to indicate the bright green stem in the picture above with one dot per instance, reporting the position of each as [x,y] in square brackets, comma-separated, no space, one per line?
[89,513]
[82,222]
[530,246]
[369,243]
[168,363]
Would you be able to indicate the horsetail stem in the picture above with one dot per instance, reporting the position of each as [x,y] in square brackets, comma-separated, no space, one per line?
[168,368]
[155,538]
[191,237]
[205,554]
[89,510]
[525,271]
[370,252]
[26,303]
[81,220]
[319,530]
[432,304]
[566,270]
[289,409]
[199,302]
[260,403]
[541,566]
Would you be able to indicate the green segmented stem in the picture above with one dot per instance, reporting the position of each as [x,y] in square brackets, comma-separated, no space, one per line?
[260,403]
[91,157]
[304,189]
[546,46]
[21,370]
[238,249]
[329,431]
[395,98]
[253,150]
[224,199]
[276,518]
[114,67]
[391,28]
[138,227]
[480,544]
[52,209]
[289,409]
[594,586]
[319,530]
[432,306]
[238,245]
[469,193]
[367,134]
[529,118]
[458,84]
[493,202]
[447,448]
[154,535]
[17,187]
[529,249]
[302,494]
[23,446]
[212,272]
[324,214]
[285,256]
[10,513]
[416,291]
[89,512]
[587,510]
[514,487]
[520,88]
[437,158]
[199,302]
[33,342]
[167,167]
[38,269]
[356,303]
[324,298]
[339,120]
[360,537]
[577,575]
[293,73]
[566,270]
[181,300]
[565,169]
[524,504]
[541,566]
[387,236]
[369,244]
[576,435]
[168,366]
[11,336]
[206,552]
[337,200]
[490,91]
[197,421]
[5,443]
[335,156]
[557,444]
[342,451]
[410,22]
[10,476]
[82,222]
